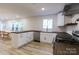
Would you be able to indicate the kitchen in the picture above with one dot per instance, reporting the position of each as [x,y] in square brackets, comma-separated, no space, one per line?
[37,24]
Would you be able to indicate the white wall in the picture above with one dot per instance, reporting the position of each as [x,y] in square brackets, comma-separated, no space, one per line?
[36,23]
[32,23]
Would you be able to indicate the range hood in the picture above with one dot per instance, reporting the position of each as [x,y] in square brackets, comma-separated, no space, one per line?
[71,9]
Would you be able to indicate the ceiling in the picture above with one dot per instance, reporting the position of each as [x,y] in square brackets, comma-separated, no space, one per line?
[29,9]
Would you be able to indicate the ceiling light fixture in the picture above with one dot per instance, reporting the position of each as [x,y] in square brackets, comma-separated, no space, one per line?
[42,9]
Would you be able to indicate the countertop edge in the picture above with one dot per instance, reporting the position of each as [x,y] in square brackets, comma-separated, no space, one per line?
[36,31]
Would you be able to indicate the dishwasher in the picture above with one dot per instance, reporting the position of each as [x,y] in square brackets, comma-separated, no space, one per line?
[36,36]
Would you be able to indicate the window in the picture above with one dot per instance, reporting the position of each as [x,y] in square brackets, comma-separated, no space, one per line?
[47,23]
[1,26]
[17,26]
[14,26]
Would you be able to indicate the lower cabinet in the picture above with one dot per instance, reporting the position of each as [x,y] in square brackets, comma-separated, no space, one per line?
[20,39]
[47,37]
[29,36]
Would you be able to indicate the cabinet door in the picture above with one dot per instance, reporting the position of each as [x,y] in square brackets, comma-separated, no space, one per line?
[30,36]
[51,37]
[60,19]
[22,39]
[26,37]
[14,39]
[47,37]
[43,37]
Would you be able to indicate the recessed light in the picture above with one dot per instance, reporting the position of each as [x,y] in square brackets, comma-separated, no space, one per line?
[42,9]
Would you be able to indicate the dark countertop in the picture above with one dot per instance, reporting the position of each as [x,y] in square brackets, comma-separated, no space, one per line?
[35,31]
[26,31]
[50,32]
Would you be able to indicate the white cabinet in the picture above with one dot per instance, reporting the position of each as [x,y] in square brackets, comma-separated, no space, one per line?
[29,36]
[47,37]
[21,38]
[62,20]
[43,37]
[14,39]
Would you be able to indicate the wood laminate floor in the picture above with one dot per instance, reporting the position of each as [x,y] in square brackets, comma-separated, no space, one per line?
[33,48]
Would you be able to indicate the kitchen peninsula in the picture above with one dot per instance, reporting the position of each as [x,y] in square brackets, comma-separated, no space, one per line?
[21,38]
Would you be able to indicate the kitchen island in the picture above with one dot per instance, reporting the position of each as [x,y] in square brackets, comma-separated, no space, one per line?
[20,39]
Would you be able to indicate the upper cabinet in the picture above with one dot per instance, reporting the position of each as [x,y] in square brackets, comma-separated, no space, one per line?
[63,20]
[60,19]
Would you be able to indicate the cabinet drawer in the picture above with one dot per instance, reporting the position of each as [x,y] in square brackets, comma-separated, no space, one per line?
[42,37]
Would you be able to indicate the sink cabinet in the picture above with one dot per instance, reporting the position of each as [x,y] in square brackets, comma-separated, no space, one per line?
[47,37]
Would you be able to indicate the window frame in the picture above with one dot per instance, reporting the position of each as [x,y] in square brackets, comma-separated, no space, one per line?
[48,26]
